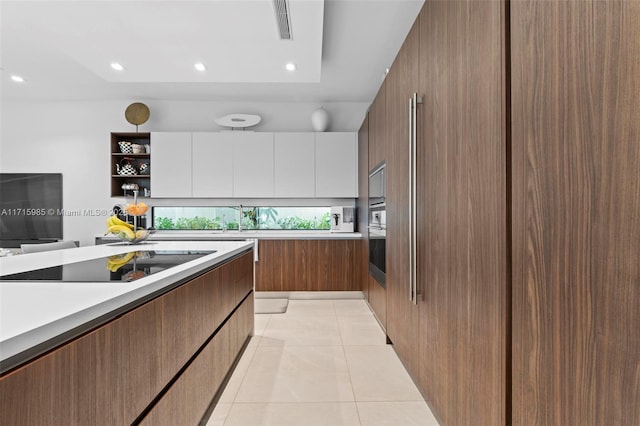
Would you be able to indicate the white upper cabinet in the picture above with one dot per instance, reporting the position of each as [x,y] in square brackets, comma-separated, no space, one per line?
[252,163]
[294,172]
[171,165]
[212,160]
[336,165]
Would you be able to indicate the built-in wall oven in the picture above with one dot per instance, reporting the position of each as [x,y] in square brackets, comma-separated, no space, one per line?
[377,224]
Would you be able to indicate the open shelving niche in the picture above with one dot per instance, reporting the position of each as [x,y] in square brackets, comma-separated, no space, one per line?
[142,180]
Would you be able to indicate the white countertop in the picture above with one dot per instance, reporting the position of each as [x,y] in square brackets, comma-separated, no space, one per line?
[259,234]
[34,312]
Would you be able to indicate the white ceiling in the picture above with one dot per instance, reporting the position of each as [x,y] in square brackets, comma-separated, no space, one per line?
[64,49]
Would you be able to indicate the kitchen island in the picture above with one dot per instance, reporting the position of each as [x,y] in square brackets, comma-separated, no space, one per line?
[86,352]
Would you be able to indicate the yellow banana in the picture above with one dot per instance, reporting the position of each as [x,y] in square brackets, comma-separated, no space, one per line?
[116,262]
[115,220]
[141,233]
[122,230]
[118,221]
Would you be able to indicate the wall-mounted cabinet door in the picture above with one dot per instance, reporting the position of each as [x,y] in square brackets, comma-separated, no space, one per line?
[377,127]
[575,202]
[337,165]
[402,313]
[294,173]
[212,160]
[462,210]
[252,163]
[171,165]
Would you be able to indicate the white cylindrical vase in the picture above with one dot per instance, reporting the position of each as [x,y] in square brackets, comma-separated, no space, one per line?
[320,120]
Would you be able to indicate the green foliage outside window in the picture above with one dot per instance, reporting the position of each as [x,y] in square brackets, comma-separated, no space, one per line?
[253,218]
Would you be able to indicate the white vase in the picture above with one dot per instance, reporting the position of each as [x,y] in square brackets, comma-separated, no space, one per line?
[320,120]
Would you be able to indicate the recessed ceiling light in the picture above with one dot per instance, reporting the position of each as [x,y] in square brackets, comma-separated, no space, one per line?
[116,66]
[200,66]
[17,79]
[290,66]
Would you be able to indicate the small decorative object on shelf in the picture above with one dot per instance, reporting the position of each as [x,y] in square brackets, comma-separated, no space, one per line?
[137,149]
[127,168]
[137,113]
[144,168]
[126,147]
[320,120]
[238,121]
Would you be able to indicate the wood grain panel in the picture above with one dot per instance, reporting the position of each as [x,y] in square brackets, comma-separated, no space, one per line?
[223,287]
[242,276]
[362,204]
[576,198]
[378,301]
[309,265]
[71,386]
[377,128]
[462,230]
[245,324]
[377,153]
[143,376]
[189,397]
[402,314]
[183,328]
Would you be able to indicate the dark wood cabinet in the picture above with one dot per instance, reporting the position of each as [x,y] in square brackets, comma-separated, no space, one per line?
[119,371]
[377,129]
[362,203]
[378,300]
[402,314]
[375,154]
[528,201]
[576,212]
[309,265]
[463,256]
[459,318]
[189,397]
[375,294]
[454,338]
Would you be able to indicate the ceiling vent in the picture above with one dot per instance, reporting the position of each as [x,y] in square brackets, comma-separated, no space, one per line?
[283,20]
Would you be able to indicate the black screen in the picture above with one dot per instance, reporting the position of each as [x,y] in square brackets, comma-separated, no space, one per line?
[30,206]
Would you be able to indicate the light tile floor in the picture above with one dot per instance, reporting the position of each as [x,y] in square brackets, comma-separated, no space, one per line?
[323,362]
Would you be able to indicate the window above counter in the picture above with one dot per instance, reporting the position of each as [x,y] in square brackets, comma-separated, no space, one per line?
[248,217]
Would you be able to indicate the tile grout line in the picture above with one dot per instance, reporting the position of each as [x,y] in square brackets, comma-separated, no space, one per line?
[235,405]
[353,392]
[233,400]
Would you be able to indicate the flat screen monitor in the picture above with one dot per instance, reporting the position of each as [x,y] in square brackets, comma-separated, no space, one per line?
[30,207]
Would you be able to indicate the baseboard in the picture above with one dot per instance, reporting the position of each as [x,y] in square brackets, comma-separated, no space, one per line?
[308,295]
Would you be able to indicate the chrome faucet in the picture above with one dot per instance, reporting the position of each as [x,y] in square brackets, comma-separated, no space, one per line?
[241,216]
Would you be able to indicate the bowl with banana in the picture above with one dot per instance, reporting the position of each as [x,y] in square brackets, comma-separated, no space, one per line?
[125,231]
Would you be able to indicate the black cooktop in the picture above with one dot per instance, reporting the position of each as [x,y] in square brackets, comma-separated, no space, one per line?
[128,266]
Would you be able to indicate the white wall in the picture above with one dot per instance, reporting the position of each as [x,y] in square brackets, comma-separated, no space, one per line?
[72,138]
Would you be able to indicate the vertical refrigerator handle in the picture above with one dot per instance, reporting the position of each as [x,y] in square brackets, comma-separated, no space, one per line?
[413,193]
[411,201]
